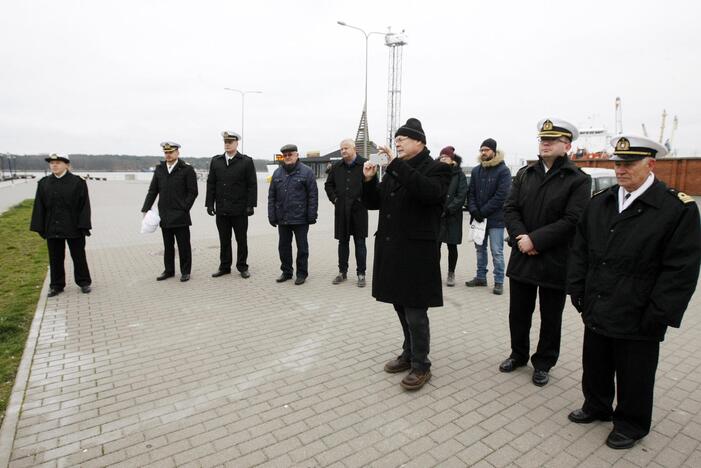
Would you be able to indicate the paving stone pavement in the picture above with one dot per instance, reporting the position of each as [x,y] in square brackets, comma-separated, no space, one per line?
[233,372]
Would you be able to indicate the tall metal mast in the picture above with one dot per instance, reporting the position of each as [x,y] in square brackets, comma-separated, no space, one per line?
[395,42]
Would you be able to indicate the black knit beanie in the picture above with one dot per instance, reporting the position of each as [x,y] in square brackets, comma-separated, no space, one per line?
[412,129]
[490,143]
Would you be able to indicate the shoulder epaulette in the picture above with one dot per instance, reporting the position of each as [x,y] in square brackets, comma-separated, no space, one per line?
[681,196]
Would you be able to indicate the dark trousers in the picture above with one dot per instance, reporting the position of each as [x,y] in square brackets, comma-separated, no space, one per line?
[284,248]
[239,224]
[417,336]
[57,256]
[633,363]
[522,298]
[361,253]
[452,256]
[182,236]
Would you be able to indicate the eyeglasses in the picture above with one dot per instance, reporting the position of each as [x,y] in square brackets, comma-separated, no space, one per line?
[288,153]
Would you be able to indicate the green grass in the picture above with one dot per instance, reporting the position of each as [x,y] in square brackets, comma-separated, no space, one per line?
[23,262]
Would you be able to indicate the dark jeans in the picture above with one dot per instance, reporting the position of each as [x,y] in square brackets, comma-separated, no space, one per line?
[633,363]
[284,247]
[452,257]
[57,255]
[182,236]
[240,226]
[417,336]
[361,253]
[521,306]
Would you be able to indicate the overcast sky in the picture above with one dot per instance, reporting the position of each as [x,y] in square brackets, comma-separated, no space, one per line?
[119,77]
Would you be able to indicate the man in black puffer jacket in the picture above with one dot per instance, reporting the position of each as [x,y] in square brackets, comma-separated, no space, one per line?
[546,200]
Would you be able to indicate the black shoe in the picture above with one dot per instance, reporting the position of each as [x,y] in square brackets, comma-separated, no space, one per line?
[282,278]
[580,416]
[618,441]
[300,280]
[498,289]
[54,292]
[340,278]
[85,289]
[509,365]
[476,282]
[245,274]
[540,377]
[164,276]
[185,277]
[361,281]
[219,273]
[397,365]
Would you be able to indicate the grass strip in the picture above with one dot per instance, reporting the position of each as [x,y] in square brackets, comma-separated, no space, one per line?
[23,263]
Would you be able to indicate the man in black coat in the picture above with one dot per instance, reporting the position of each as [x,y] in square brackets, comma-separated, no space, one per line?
[61,215]
[293,203]
[232,192]
[632,270]
[174,182]
[344,187]
[546,200]
[406,271]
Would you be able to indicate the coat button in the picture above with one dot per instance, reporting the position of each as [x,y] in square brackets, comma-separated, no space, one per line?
[389,216]
[387,238]
[603,263]
[598,296]
[611,230]
[391,194]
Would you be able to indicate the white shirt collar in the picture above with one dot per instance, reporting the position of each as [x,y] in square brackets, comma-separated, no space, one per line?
[624,203]
[171,166]
[62,174]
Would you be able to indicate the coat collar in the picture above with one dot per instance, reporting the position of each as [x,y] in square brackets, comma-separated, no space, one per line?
[652,196]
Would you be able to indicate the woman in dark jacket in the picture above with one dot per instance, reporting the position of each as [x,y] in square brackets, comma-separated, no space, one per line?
[451,219]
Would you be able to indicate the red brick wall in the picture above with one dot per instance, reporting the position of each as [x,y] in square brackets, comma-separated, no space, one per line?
[684,174]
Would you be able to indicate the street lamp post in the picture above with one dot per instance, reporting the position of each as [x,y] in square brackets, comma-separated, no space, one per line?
[243,105]
[365,105]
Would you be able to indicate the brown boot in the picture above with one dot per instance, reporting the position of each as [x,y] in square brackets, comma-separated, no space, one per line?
[397,365]
[415,379]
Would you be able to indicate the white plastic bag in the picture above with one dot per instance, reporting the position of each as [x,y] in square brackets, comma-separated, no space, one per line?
[151,221]
[477,231]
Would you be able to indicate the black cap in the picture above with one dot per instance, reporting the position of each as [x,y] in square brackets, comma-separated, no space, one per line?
[412,129]
[490,143]
[288,148]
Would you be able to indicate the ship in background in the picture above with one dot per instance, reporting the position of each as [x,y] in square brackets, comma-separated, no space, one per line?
[593,142]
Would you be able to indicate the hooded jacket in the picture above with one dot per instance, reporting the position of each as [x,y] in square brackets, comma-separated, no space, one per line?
[490,182]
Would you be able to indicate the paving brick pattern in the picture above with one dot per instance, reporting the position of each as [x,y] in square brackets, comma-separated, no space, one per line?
[233,372]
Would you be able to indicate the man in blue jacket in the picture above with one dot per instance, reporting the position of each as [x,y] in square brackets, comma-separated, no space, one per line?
[293,199]
[489,186]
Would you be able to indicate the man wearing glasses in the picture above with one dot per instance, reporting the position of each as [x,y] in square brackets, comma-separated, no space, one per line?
[293,199]
[232,193]
[546,200]
[174,182]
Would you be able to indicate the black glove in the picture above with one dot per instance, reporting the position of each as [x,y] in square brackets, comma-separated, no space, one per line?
[333,202]
[211,211]
[272,223]
[249,211]
[313,221]
[577,302]
[85,232]
[477,216]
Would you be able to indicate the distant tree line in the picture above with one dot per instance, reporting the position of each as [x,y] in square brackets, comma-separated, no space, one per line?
[111,162]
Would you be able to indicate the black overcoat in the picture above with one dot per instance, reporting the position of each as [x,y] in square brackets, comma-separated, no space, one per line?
[344,187]
[546,206]
[451,220]
[61,207]
[406,269]
[636,270]
[176,194]
[232,188]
